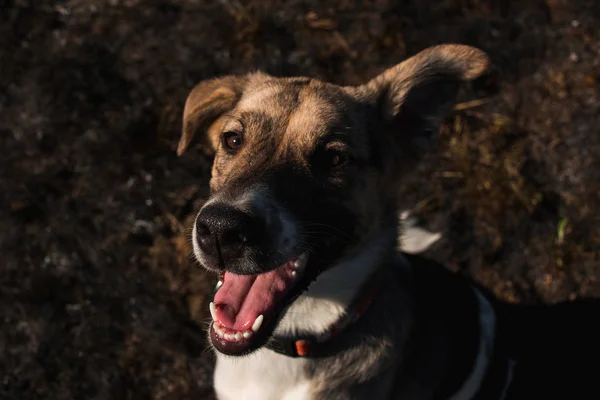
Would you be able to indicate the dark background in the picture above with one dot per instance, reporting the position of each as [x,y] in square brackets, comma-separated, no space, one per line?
[99,297]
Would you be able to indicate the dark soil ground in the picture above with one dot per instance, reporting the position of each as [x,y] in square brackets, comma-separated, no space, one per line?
[99,298]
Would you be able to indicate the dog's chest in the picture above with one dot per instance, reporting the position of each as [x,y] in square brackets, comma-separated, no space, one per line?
[263,375]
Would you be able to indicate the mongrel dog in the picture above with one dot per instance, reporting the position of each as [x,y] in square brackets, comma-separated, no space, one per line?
[313,300]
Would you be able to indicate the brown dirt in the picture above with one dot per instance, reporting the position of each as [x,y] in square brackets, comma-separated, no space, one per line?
[99,298]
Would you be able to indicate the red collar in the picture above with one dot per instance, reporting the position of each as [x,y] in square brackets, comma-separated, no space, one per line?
[314,345]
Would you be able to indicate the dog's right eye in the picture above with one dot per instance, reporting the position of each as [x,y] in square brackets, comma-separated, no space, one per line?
[337,158]
[331,160]
[232,141]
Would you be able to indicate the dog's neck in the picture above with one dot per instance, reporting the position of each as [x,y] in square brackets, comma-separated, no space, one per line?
[329,297]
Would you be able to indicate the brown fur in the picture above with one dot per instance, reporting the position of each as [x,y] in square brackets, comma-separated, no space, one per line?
[323,159]
[390,120]
[421,336]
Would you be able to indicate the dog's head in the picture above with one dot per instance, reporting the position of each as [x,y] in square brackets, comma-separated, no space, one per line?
[304,173]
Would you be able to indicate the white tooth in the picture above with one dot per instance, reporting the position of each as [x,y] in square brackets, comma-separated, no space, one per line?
[230,337]
[257,323]
[219,284]
[213,311]
[238,336]
[301,261]
[293,274]
[219,330]
[247,334]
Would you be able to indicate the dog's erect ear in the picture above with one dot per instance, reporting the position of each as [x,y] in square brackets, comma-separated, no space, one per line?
[206,103]
[415,96]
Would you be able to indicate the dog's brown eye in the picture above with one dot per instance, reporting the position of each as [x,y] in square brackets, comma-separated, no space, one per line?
[334,158]
[232,141]
[337,159]
[330,160]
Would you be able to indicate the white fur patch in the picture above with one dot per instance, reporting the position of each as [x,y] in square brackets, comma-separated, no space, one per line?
[414,239]
[302,391]
[328,298]
[264,375]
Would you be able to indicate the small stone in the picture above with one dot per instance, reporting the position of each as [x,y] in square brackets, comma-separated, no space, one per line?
[574,57]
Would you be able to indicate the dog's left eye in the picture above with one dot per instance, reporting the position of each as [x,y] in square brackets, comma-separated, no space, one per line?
[337,158]
[232,141]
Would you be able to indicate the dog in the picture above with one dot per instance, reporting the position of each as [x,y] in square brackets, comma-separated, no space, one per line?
[314,301]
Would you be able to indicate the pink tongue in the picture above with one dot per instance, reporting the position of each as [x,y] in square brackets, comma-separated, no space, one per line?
[242,298]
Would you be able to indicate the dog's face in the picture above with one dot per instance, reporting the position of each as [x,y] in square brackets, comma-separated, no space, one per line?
[303,175]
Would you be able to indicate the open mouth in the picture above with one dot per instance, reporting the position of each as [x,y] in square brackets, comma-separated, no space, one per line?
[245,307]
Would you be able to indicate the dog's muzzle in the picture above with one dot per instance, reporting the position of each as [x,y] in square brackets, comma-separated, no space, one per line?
[251,243]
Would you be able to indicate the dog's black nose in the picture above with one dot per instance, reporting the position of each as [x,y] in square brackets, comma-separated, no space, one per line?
[224,232]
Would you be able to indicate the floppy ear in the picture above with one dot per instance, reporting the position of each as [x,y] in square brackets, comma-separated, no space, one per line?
[205,106]
[414,97]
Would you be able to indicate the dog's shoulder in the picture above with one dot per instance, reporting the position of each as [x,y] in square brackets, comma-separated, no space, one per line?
[447,320]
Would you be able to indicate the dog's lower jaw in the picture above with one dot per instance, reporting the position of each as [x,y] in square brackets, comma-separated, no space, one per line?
[265,374]
[328,298]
